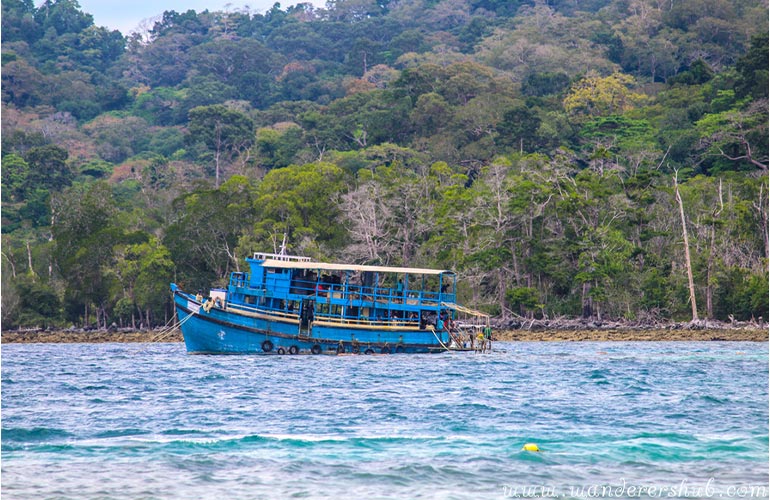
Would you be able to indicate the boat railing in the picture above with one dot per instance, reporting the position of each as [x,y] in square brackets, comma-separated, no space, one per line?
[379,322]
[281,257]
[305,287]
[239,279]
[391,322]
[348,292]
[261,310]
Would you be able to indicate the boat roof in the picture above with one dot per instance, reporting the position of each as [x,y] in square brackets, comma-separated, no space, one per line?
[327,266]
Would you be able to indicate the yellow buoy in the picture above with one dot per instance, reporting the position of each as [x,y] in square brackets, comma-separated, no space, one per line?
[531,447]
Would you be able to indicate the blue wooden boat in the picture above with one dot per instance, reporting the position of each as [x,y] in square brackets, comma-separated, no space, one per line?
[290,305]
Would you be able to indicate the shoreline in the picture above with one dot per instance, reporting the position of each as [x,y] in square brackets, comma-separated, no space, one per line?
[89,337]
[555,335]
[635,335]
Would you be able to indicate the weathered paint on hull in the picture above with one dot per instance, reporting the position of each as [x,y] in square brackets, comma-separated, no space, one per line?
[226,332]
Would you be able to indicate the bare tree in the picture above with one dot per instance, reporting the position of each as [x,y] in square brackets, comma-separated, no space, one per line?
[366,212]
[495,217]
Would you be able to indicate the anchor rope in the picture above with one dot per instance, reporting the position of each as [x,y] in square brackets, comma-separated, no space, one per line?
[437,338]
[169,328]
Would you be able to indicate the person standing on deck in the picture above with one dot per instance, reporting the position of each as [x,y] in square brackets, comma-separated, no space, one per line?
[480,343]
[487,338]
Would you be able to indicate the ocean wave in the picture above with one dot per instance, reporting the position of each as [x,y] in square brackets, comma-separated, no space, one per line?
[33,435]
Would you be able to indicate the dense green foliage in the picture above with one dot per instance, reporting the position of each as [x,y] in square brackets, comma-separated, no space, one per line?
[529,146]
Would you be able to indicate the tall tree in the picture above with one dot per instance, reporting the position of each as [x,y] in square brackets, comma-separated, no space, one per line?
[300,201]
[64,16]
[85,231]
[752,69]
[601,96]
[225,132]
[208,223]
[518,128]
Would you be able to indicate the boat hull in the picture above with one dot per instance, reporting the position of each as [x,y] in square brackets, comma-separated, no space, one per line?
[232,331]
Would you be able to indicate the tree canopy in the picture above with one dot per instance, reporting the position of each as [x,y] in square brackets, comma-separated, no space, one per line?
[530,146]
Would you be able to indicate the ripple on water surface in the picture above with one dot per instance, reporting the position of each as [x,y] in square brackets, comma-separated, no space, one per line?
[129,421]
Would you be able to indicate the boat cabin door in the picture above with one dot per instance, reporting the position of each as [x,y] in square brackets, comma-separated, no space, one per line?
[307,310]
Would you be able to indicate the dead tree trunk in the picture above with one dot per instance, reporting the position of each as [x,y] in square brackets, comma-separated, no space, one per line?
[709,269]
[586,301]
[712,251]
[761,207]
[31,270]
[687,260]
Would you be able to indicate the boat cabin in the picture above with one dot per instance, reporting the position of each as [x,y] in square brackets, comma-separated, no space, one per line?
[344,293]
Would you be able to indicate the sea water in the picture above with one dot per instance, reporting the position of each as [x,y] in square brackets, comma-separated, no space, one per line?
[612,420]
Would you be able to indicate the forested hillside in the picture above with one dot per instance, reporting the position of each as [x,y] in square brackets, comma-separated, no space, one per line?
[539,148]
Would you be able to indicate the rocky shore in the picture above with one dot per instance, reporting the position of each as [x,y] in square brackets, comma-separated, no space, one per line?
[549,335]
[570,329]
[751,335]
[88,336]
